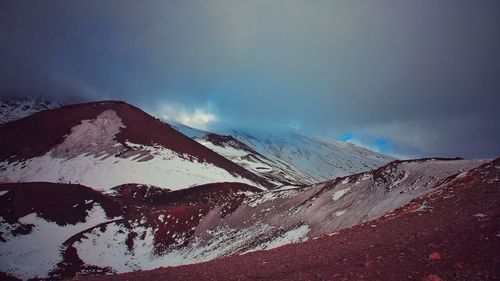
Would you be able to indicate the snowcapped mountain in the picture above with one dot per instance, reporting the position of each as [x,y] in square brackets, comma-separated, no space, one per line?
[276,171]
[123,231]
[283,157]
[321,158]
[289,156]
[105,144]
[16,108]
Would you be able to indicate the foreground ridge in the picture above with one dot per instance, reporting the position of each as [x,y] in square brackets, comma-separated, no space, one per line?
[452,233]
[139,227]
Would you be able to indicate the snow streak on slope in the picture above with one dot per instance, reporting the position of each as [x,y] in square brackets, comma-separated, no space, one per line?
[13,109]
[90,155]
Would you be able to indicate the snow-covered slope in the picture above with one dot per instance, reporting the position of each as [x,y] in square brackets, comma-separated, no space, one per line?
[37,218]
[16,108]
[106,144]
[159,228]
[321,158]
[276,171]
[288,156]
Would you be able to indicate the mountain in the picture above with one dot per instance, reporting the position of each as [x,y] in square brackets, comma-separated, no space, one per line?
[137,227]
[15,108]
[282,157]
[275,171]
[106,144]
[449,234]
[321,158]
[289,157]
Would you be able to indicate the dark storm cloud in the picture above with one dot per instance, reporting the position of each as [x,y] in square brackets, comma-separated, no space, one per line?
[420,77]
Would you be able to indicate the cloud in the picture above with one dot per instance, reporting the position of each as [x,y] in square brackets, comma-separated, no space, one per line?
[198,118]
[423,74]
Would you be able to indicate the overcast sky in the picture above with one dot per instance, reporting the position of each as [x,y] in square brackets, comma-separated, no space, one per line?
[415,78]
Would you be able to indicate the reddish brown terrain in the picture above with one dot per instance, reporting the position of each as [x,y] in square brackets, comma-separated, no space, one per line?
[450,234]
[50,127]
[129,206]
[402,221]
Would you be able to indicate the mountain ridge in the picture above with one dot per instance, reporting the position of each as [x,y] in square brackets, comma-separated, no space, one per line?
[112,130]
[189,227]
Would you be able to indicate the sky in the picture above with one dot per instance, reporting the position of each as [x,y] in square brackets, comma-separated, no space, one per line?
[412,78]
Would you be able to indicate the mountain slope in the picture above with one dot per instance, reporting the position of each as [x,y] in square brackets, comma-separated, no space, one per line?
[154,227]
[288,156]
[105,144]
[42,225]
[451,234]
[276,171]
[319,157]
[283,158]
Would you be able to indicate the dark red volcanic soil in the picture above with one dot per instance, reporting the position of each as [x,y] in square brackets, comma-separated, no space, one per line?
[53,202]
[139,204]
[212,193]
[37,134]
[456,236]
[133,192]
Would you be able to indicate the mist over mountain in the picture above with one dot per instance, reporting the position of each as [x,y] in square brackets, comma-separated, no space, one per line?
[250,140]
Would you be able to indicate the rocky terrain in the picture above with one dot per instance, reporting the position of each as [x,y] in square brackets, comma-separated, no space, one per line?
[452,233]
[136,227]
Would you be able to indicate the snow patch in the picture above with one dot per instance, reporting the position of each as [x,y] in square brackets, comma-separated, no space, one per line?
[295,235]
[340,213]
[339,193]
[263,197]
[36,254]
